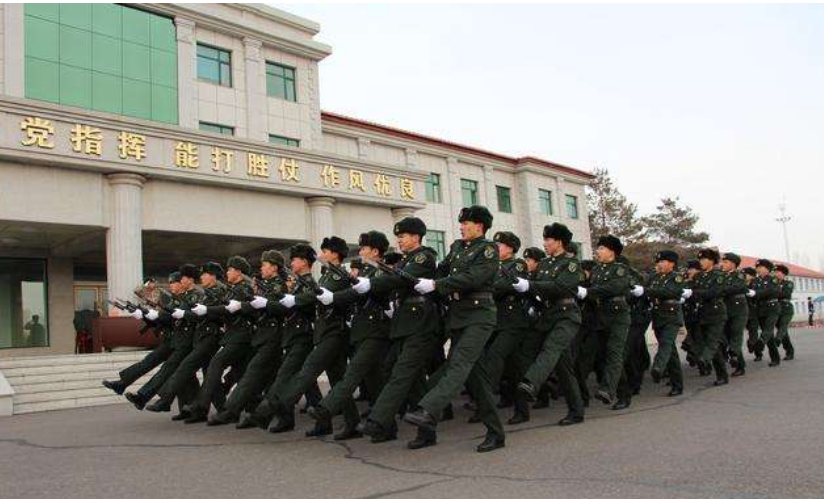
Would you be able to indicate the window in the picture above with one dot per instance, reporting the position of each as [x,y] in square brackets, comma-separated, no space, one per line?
[283,141]
[545,201]
[436,239]
[577,249]
[572,206]
[280,81]
[469,192]
[214,65]
[504,199]
[103,57]
[214,128]
[433,188]
[23,303]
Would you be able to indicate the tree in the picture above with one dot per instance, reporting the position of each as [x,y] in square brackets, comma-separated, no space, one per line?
[610,212]
[674,225]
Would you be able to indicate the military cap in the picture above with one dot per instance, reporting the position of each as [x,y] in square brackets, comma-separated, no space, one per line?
[357,263]
[611,242]
[374,239]
[336,245]
[213,268]
[763,262]
[239,263]
[782,268]
[189,270]
[274,257]
[304,251]
[693,264]
[667,255]
[588,265]
[410,225]
[508,238]
[559,232]
[392,257]
[732,257]
[175,276]
[478,214]
[749,271]
[709,254]
[535,253]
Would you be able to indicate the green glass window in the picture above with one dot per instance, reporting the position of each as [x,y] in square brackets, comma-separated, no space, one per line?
[214,65]
[504,199]
[436,239]
[283,141]
[572,206]
[280,81]
[433,188]
[23,303]
[104,57]
[469,192]
[545,201]
[215,128]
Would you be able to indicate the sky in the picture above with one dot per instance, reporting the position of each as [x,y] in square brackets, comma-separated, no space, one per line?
[720,105]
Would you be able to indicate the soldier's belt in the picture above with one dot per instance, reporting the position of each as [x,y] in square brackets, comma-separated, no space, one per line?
[613,299]
[783,300]
[560,301]
[412,299]
[478,295]
[771,300]
[735,297]
[668,302]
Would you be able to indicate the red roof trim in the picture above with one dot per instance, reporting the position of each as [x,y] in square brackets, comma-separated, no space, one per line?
[404,134]
[795,270]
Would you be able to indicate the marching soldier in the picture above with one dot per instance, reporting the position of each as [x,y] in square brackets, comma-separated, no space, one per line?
[735,299]
[708,291]
[586,342]
[766,290]
[556,282]
[754,344]
[694,341]
[785,296]
[665,290]
[636,356]
[466,277]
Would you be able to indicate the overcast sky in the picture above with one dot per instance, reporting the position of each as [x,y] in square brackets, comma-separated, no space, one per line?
[722,106]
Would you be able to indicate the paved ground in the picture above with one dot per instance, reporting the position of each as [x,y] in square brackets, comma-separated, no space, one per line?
[759,437]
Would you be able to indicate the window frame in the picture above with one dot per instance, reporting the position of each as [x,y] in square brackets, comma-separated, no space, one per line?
[574,199]
[284,141]
[549,208]
[465,183]
[46,305]
[220,127]
[499,189]
[284,79]
[433,182]
[440,250]
[220,64]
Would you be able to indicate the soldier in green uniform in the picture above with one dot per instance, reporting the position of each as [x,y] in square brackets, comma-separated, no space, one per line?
[610,283]
[693,343]
[369,334]
[329,354]
[234,342]
[513,321]
[636,356]
[766,290]
[164,349]
[205,341]
[297,310]
[665,290]
[754,344]
[735,298]
[707,288]
[265,342]
[785,317]
[466,277]
[586,342]
[556,282]
[413,331]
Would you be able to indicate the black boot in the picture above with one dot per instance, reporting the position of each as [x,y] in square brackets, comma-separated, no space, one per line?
[424,438]
[221,418]
[321,415]
[138,400]
[571,419]
[246,421]
[720,381]
[604,396]
[348,433]
[197,415]
[282,423]
[676,391]
[518,418]
[655,374]
[528,389]
[160,406]
[490,443]
[621,405]
[447,414]
[473,419]
[117,387]
[421,418]
[738,372]
[318,431]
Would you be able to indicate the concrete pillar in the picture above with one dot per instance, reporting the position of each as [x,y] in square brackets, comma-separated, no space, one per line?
[13,50]
[455,198]
[320,219]
[525,207]
[363,148]
[561,211]
[187,114]
[124,242]
[399,214]
[255,90]
[488,189]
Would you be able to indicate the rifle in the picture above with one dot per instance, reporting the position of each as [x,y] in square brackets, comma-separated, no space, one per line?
[300,281]
[341,273]
[406,276]
[131,307]
[509,275]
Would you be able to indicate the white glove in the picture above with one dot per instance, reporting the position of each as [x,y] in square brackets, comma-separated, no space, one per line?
[258,302]
[178,314]
[288,301]
[637,291]
[425,286]
[137,314]
[152,315]
[391,310]
[531,312]
[582,293]
[327,297]
[233,306]
[686,294]
[521,285]
[363,286]
[750,293]
[682,301]
[199,310]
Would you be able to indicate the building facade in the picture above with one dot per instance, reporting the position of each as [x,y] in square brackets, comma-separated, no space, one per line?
[137,137]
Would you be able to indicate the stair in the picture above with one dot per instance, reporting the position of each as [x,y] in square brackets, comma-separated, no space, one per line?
[48,383]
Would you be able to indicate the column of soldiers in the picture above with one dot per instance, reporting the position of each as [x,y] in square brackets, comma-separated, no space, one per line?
[525,328]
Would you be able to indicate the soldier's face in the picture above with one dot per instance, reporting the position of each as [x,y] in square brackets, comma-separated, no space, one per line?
[368,253]
[174,287]
[762,270]
[208,280]
[186,282]
[471,230]
[727,266]
[780,275]
[604,254]
[664,266]
[299,265]
[329,256]
[531,264]
[267,270]
[706,264]
[408,242]
[504,251]
[692,272]
[233,275]
[552,246]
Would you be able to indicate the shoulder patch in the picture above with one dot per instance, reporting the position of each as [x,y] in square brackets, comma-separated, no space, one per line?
[573,267]
[720,279]
[335,276]
[520,267]
[489,252]
[420,258]
[620,272]
[679,279]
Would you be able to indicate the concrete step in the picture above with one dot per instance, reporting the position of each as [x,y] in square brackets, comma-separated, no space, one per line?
[114,365]
[54,360]
[73,384]
[81,393]
[53,405]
